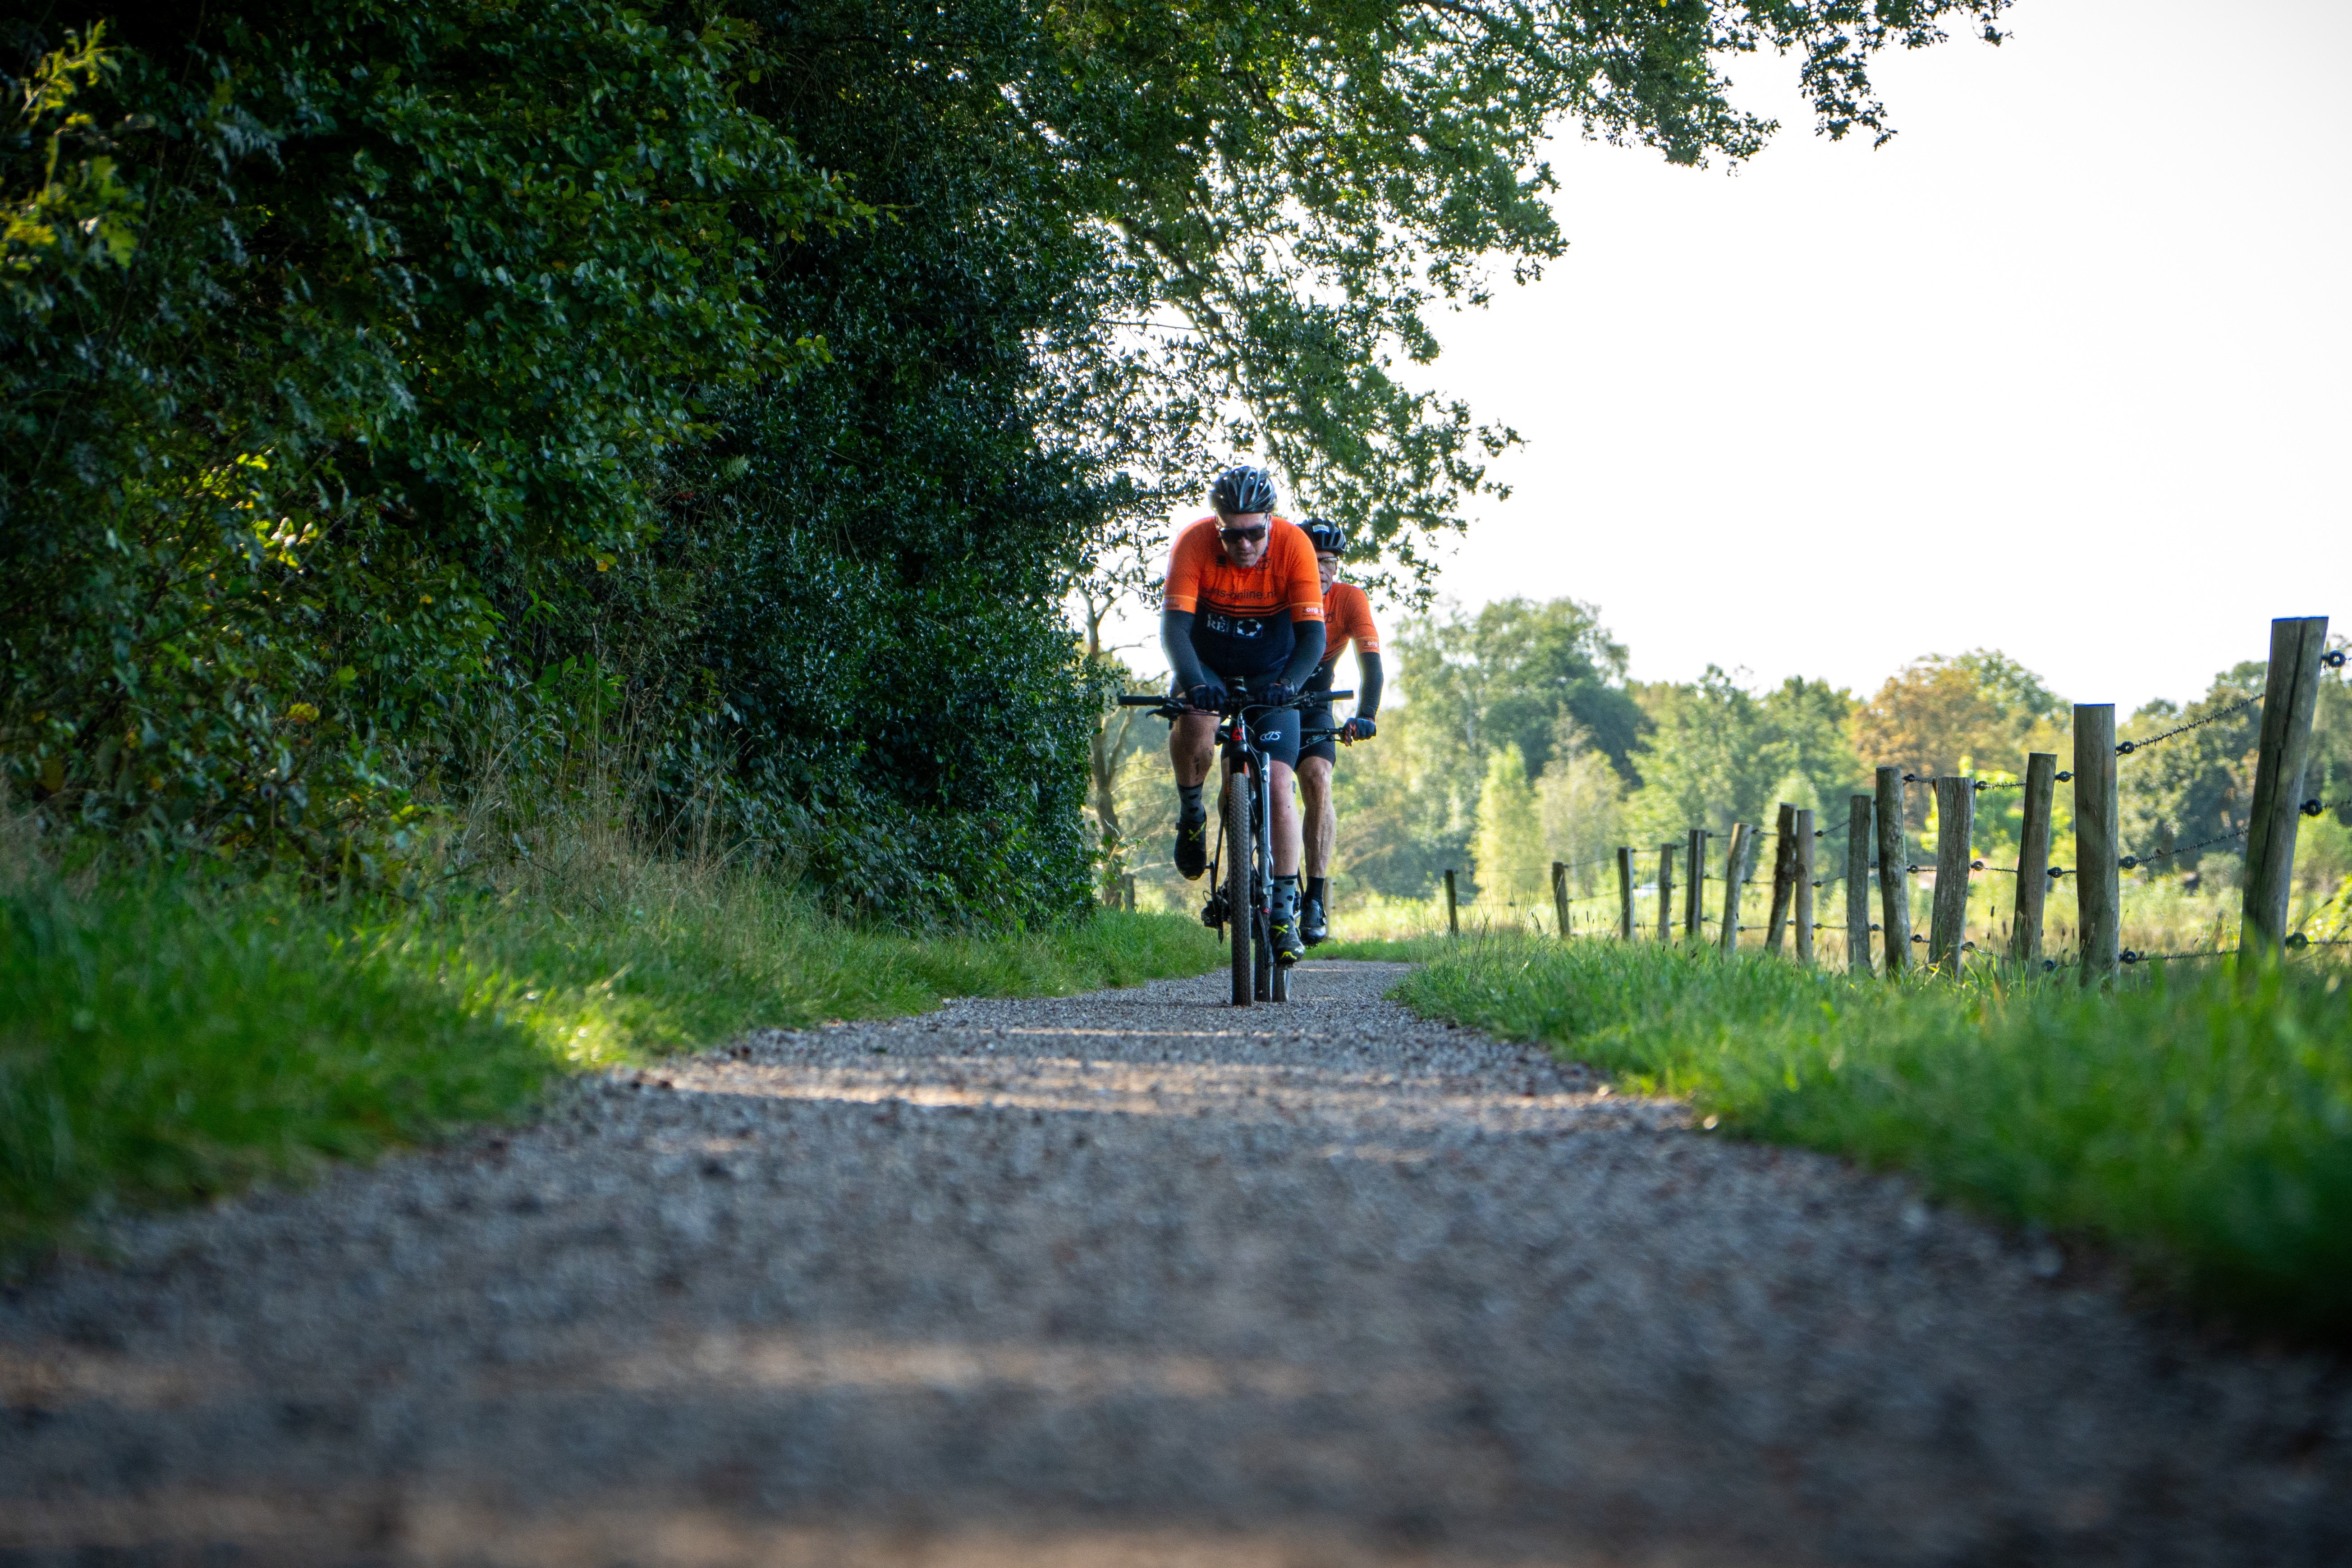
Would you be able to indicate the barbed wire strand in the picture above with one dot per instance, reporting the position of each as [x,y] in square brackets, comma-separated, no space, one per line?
[2126,748]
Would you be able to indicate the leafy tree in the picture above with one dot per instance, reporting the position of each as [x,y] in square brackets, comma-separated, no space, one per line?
[2198,786]
[2194,786]
[1508,858]
[1978,713]
[2323,853]
[316,321]
[1517,676]
[1508,674]
[1298,184]
[1719,753]
[1407,804]
[1582,798]
[881,550]
[2014,691]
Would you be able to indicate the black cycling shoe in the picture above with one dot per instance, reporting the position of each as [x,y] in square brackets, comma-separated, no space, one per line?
[1286,948]
[1312,926]
[1192,848]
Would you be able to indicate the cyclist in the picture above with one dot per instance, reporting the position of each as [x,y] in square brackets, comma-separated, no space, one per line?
[1347,618]
[1242,608]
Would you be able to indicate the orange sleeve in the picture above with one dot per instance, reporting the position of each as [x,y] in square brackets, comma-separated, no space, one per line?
[1366,635]
[1187,557]
[1302,583]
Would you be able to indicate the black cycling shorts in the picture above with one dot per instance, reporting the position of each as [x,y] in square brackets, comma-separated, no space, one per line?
[1278,738]
[1318,719]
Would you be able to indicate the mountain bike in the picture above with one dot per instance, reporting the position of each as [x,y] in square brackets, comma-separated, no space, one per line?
[1241,872]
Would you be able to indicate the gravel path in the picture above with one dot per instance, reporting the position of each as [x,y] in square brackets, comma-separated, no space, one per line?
[1130,1279]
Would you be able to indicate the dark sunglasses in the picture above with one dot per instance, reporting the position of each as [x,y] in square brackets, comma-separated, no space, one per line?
[1242,536]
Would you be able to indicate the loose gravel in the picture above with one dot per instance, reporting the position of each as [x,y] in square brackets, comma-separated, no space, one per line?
[1134,1279]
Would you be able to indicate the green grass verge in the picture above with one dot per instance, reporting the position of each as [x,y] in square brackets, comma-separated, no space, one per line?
[1393,949]
[159,1045]
[2201,1125]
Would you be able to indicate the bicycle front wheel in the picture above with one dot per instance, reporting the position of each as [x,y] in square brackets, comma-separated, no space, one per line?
[1238,909]
[1262,972]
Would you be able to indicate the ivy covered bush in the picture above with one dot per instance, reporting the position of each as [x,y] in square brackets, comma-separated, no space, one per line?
[335,340]
[384,384]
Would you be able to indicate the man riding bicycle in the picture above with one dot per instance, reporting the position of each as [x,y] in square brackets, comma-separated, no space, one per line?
[1347,618]
[1242,614]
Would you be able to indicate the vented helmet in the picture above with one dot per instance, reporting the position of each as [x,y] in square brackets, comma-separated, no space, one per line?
[1241,490]
[1329,538]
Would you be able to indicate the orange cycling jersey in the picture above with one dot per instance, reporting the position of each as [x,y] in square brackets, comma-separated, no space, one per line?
[1243,620]
[1347,613]
[1202,580]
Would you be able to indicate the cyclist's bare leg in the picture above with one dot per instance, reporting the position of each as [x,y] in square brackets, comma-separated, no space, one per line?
[1286,820]
[1322,820]
[1192,748]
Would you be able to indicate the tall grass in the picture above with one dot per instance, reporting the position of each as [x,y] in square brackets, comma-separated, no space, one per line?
[2160,914]
[2201,1122]
[161,1040]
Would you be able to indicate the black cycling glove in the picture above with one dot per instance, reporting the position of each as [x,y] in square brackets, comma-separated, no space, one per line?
[1205,695]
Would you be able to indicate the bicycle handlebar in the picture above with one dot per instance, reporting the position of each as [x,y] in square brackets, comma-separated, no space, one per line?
[1302,700]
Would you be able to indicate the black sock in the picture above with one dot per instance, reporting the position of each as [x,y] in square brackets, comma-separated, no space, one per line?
[1188,797]
[1315,888]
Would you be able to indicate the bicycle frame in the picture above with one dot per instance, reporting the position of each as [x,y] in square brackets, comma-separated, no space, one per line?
[1245,774]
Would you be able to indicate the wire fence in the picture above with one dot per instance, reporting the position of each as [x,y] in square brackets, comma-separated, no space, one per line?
[2285,736]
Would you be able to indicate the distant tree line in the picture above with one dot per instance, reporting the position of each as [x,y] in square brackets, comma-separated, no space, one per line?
[1519,741]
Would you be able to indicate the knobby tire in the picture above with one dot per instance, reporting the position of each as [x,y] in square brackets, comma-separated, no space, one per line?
[1262,973]
[1262,894]
[1238,909]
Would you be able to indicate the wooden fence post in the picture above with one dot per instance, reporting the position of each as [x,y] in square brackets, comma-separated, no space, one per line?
[1665,893]
[1894,881]
[1800,875]
[2033,857]
[1127,891]
[2098,878]
[1784,842]
[1857,884]
[1453,920]
[1694,905]
[2288,701]
[1956,825]
[1624,894]
[1560,895]
[1734,872]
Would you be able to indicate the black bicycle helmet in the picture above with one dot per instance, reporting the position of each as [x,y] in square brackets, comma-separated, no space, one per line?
[1329,538]
[1241,490]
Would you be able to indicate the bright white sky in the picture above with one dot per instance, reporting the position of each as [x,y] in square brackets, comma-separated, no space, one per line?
[2061,370]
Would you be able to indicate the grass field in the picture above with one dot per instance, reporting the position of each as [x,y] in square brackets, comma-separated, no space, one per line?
[160,1043]
[2199,1123]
